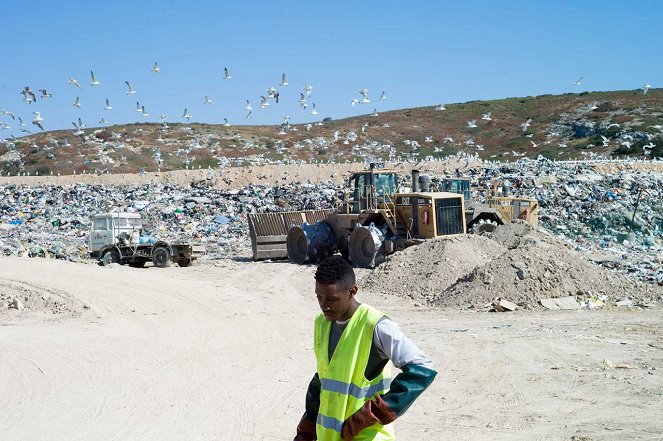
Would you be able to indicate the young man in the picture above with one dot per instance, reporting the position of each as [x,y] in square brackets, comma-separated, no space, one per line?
[352,396]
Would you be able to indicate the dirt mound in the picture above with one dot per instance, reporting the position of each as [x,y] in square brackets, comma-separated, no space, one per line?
[424,270]
[20,299]
[517,262]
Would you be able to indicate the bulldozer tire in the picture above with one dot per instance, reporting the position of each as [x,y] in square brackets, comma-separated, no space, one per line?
[161,257]
[297,245]
[110,256]
[185,262]
[361,248]
[483,227]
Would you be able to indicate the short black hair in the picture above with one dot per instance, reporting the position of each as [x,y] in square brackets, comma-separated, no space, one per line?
[335,270]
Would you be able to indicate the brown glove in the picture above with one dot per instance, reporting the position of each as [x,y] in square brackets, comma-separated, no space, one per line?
[305,430]
[372,412]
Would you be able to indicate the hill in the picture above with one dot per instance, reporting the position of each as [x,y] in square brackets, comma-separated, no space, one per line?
[568,126]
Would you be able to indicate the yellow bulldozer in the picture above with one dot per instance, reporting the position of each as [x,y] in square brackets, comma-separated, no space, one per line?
[373,220]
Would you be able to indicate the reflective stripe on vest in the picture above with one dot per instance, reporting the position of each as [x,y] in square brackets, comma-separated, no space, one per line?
[344,389]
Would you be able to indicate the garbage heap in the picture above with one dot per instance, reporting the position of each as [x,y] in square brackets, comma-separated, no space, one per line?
[54,221]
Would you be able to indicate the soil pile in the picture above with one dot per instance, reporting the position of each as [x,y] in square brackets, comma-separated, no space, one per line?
[20,298]
[517,262]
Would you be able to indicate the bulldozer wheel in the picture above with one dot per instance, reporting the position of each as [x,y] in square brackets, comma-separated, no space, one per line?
[161,257]
[110,256]
[185,262]
[483,227]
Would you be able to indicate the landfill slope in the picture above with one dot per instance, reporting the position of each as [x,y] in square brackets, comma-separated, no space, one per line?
[518,262]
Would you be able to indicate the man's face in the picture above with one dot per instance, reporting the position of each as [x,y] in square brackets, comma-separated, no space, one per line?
[335,304]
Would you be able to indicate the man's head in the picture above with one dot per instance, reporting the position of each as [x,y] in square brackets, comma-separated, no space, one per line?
[335,288]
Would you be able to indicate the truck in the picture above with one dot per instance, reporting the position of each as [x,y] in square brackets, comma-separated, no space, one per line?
[115,238]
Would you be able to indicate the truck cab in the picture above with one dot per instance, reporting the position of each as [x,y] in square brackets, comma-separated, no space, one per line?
[107,228]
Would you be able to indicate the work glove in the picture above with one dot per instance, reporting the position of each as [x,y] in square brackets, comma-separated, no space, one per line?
[305,430]
[372,412]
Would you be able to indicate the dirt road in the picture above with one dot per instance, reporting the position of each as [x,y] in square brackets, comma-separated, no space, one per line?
[224,352]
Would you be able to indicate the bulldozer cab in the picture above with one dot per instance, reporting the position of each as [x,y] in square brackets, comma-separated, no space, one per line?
[371,188]
[458,185]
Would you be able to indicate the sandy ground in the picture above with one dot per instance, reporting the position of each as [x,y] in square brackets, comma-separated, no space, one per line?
[223,351]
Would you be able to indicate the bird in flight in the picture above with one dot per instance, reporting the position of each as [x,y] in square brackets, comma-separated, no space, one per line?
[645,88]
[37,120]
[130,90]
[577,82]
[73,82]
[284,81]
[248,105]
[472,123]
[309,89]
[225,122]
[248,115]
[77,103]
[314,111]
[226,74]
[440,107]
[138,107]
[208,101]
[354,101]
[383,95]
[94,81]
[144,113]
[526,124]
[28,95]
[486,116]
[45,94]
[108,106]
[375,112]
[186,115]
[364,93]
[155,68]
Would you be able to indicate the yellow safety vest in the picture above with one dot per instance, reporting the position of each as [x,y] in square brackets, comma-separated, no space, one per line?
[344,389]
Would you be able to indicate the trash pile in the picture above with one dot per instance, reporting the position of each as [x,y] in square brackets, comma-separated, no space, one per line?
[54,221]
[519,263]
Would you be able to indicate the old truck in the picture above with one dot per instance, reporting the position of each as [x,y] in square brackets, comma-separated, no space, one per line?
[115,238]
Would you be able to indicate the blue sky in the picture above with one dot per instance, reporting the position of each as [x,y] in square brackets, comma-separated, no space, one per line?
[420,53]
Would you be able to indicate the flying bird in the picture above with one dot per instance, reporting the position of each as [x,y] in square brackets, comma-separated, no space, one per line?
[155,68]
[77,103]
[138,107]
[130,90]
[45,94]
[225,122]
[28,95]
[309,89]
[645,88]
[375,112]
[284,81]
[108,106]
[248,115]
[472,123]
[364,93]
[440,107]
[383,95]
[37,120]
[73,82]
[577,82]
[486,116]
[313,110]
[208,101]
[226,74]
[186,115]
[354,101]
[94,81]
[526,124]
[145,114]
[248,105]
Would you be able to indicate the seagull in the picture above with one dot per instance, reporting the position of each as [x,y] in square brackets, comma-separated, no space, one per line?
[383,95]
[108,106]
[186,115]
[314,111]
[264,102]
[226,74]
[142,108]
[138,107]
[375,112]
[79,131]
[28,95]
[8,113]
[45,94]
[20,122]
[155,68]
[472,123]
[80,123]
[354,101]
[562,145]
[440,107]
[131,90]
[73,82]
[486,116]
[534,145]
[593,106]
[284,81]
[448,139]
[103,121]
[526,124]
[645,88]
[309,89]
[37,120]
[364,93]
[577,82]
[605,140]
[429,139]
[225,122]
[248,115]
[65,143]
[94,80]
[302,101]
[77,103]
[208,101]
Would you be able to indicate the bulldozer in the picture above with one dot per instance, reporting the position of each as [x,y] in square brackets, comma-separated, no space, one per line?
[372,221]
[498,210]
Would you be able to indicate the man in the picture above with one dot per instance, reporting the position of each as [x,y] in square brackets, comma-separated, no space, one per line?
[352,396]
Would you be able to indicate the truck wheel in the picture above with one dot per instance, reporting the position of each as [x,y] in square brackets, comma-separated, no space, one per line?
[185,262]
[110,256]
[161,257]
